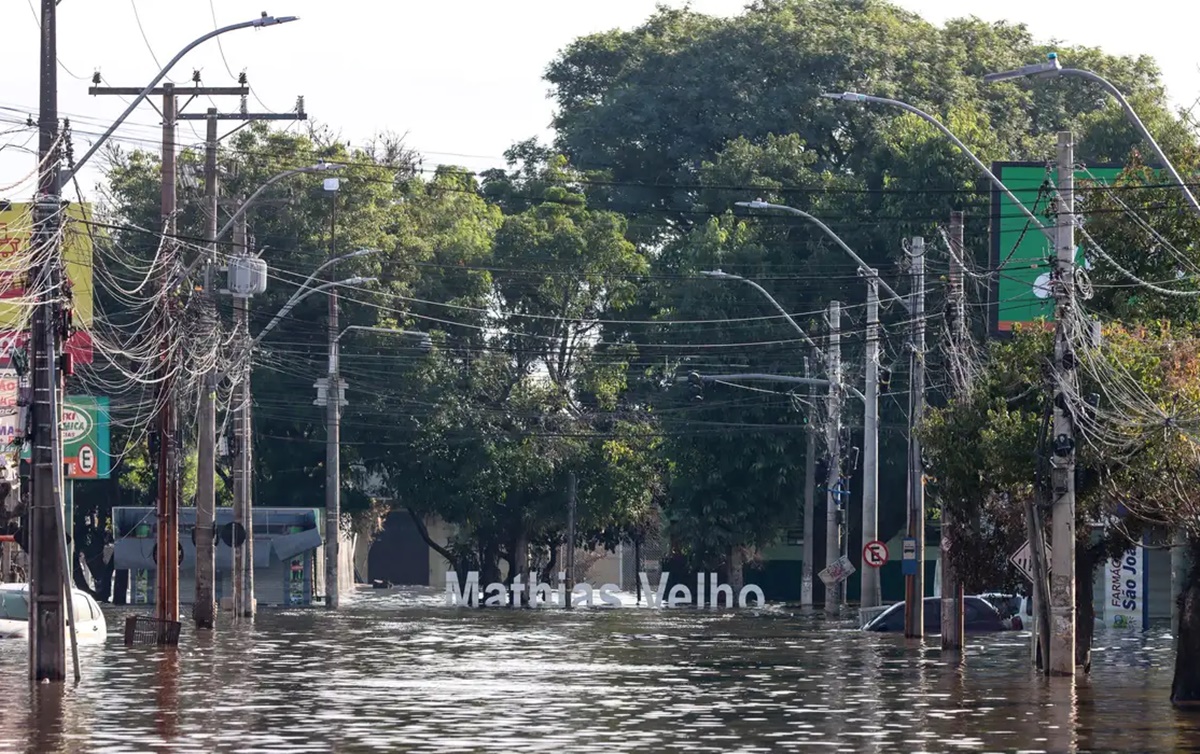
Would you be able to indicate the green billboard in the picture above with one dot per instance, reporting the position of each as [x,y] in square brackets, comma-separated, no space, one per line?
[85,437]
[1021,254]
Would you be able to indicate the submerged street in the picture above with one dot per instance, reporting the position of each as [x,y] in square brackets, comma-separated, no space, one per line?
[399,671]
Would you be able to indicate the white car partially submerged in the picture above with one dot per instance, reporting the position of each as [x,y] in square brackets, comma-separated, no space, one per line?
[14,615]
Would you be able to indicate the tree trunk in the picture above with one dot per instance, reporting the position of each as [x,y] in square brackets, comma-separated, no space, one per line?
[1085,609]
[736,564]
[548,576]
[520,565]
[1185,689]
[120,595]
[423,530]
[489,565]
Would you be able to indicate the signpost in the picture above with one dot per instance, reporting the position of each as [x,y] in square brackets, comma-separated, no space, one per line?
[908,559]
[874,554]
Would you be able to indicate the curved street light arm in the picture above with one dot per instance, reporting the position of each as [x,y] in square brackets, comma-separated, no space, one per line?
[718,274]
[256,23]
[424,336]
[829,232]
[757,377]
[1137,123]
[244,206]
[291,304]
[242,210]
[856,97]
[300,296]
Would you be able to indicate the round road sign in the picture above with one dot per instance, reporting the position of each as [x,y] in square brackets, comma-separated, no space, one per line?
[87,459]
[874,554]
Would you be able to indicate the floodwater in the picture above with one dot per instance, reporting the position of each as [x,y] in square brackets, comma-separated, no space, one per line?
[398,671]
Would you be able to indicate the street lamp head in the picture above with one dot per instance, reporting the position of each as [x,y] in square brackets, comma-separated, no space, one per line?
[1050,68]
[273,20]
[356,281]
[845,96]
[756,204]
[361,253]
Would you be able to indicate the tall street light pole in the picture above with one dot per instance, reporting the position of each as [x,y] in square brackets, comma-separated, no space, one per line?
[1052,68]
[870,592]
[204,607]
[833,434]
[871,595]
[334,390]
[1052,234]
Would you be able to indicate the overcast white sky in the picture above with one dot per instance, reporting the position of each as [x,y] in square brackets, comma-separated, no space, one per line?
[461,77]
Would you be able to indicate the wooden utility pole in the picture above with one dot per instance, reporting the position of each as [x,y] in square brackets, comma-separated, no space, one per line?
[952,614]
[914,592]
[166,605]
[47,627]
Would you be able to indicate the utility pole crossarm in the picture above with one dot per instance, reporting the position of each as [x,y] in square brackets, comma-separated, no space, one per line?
[245,116]
[195,91]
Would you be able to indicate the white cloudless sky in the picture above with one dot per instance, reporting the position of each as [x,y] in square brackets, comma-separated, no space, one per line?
[462,79]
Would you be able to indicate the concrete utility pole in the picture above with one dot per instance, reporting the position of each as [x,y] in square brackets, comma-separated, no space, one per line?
[871,596]
[914,592]
[47,615]
[810,485]
[833,442]
[333,417]
[952,615]
[570,555]
[1062,463]
[240,466]
[204,607]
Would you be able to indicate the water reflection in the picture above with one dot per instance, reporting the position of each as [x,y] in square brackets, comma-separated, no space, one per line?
[396,671]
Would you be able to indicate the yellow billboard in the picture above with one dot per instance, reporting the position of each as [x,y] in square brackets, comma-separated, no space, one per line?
[16,258]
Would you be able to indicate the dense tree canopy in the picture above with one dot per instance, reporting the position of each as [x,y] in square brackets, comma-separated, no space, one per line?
[564,293]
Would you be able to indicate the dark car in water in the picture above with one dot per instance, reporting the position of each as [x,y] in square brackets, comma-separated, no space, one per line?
[979,615]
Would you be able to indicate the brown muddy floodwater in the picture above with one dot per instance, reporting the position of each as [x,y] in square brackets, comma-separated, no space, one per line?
[398,671]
